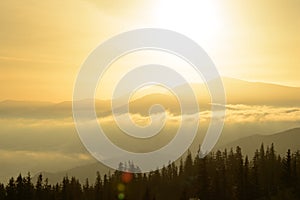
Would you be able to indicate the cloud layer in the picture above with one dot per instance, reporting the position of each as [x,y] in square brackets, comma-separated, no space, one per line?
[31,143]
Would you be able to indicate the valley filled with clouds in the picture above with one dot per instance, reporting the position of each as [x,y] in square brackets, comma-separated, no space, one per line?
[41,136]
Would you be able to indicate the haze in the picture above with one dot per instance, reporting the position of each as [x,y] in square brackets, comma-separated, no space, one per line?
[44,43]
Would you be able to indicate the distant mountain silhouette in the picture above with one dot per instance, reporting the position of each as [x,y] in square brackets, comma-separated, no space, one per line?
[289,139]
[237,92]
[283,141]
[258,93]
[81,172]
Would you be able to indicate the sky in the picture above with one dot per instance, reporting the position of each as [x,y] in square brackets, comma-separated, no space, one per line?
[44,43]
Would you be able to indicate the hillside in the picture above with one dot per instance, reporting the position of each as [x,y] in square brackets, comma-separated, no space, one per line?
[283,141]
[257,94]
[289,139]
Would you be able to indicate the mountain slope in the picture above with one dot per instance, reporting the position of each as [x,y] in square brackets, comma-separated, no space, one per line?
[289,139]
[237,92]
[283,141]
[258,93]
[81,172]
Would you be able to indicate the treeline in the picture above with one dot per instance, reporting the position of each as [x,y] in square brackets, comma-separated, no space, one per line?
[220,175]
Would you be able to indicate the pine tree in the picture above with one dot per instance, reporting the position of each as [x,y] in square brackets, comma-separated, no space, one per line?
[66,193]
[147,195]
[2,191]
[287,168]
[217,176]
[98,188]
[39,188]
[28,188]
[19,186]
[247,185]
[11,190]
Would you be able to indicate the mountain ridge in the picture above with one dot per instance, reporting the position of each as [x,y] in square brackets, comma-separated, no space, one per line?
[280,140]
[257,94]
[89,171]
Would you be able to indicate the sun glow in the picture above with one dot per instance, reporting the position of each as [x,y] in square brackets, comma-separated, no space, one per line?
[201,20]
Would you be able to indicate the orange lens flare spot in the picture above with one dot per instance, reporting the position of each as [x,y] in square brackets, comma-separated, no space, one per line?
[126,177]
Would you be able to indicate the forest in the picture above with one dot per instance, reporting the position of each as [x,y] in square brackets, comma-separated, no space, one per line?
[220,175]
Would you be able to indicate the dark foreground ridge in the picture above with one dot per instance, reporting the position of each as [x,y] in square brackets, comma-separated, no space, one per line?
[220,175]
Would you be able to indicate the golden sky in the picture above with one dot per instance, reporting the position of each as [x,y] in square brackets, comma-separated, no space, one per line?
[43,43]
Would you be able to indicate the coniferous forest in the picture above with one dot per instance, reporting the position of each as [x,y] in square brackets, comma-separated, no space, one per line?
[220,175]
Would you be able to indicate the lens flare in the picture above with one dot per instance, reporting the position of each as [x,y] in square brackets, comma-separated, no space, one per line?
[121,187]
[121,196]
[126,177]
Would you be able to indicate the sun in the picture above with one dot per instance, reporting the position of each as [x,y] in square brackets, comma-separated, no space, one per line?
[201,20]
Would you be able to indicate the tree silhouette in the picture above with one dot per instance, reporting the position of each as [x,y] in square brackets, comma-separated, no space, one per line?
[220,175]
